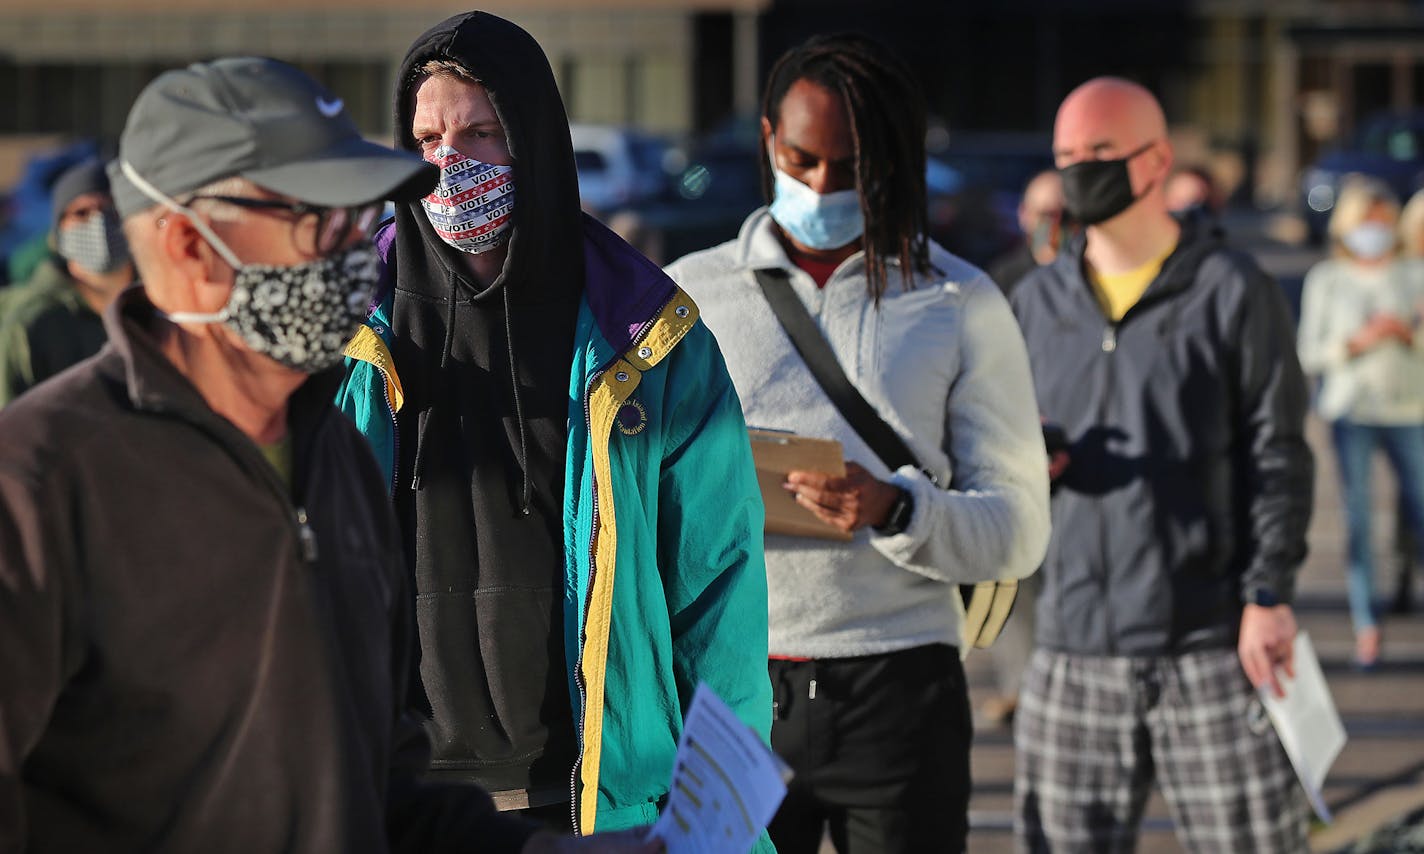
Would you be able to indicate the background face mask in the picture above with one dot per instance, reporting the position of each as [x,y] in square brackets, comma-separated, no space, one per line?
[1369,241]
[97,244]
[819,221]
[471,204]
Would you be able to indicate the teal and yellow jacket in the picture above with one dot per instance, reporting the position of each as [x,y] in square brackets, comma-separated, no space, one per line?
[665,581]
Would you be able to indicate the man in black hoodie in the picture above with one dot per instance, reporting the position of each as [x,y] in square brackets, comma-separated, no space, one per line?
[524,375]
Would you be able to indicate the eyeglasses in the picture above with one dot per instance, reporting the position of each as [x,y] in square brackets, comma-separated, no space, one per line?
[329,227]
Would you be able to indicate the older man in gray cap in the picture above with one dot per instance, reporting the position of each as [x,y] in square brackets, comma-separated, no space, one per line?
[204,624]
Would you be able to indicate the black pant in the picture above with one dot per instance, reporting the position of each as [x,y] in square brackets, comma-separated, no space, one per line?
[880,746]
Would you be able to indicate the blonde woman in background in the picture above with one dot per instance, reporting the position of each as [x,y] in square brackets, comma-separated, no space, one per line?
[1360,332]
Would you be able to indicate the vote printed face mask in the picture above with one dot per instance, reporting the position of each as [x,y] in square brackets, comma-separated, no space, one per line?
[1095,191]
[97,244]
[302,315]
[471,205]
[812,219]
[1369,241]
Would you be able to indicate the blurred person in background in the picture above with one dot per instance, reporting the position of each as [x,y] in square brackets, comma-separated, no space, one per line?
[872,710]
[1191,190]
[1179,523]
[1045,228]
[1406,542]
[54,320]
[1411,228]
[568,459]
[1360,333]
[1042,225]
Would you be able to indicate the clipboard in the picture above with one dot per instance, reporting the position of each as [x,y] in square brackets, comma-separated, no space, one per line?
[776,453]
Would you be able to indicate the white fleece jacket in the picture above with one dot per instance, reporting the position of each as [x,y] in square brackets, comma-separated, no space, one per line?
[944,364]
[1385,385]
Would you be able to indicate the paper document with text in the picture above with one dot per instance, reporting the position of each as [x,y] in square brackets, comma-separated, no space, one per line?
[1307,722]
[726,783]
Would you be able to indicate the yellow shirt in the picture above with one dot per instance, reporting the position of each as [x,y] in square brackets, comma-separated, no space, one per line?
[279,454]
[1118,292]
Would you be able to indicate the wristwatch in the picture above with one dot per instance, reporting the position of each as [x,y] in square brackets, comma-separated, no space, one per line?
[1263,597]
[898,519]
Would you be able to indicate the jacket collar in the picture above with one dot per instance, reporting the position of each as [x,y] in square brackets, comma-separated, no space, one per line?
[758,248]
[1197,240]
[625,291]
[155,384]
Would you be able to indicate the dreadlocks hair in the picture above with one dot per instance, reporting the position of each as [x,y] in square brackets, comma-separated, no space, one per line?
[887,118]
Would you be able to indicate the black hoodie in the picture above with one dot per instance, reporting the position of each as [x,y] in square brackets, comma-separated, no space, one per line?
[479,487]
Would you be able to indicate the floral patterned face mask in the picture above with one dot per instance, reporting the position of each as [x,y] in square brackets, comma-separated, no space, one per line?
[303,315]
[300,316]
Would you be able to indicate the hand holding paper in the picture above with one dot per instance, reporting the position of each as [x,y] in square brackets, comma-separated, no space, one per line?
[1306,721]
[726,784]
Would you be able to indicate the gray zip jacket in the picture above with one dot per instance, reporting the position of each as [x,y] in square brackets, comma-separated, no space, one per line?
[944,365]
[1190,484]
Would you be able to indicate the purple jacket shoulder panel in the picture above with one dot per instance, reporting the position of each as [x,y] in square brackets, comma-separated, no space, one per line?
[625,290]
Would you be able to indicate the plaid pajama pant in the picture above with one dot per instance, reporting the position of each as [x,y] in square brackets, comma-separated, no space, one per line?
[1093,733]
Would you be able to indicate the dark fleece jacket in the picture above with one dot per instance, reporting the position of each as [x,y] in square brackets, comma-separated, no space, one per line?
[480,474]
[194,655]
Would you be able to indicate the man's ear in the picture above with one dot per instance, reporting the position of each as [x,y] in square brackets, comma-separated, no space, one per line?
[1166,157]
[202,278]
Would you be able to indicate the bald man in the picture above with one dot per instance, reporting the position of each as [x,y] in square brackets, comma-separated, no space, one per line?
[1180,522]
[1041,221]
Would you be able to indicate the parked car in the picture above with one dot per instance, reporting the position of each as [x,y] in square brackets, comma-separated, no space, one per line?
[710,190]
[616,166]
[972,187]
[1388,147]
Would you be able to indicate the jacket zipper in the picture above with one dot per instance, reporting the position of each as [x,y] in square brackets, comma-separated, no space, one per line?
[395,443]
[587,600]
[1109,348]
[593,568]
[306,536]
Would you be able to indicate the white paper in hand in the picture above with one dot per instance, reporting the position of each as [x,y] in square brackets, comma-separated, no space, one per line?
[1307,722]
[726,783]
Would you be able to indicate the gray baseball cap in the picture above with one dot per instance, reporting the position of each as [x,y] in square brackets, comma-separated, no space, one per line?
[265,121]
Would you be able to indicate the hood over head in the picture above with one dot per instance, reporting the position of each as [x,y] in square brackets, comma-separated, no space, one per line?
[485,370]
[544,258]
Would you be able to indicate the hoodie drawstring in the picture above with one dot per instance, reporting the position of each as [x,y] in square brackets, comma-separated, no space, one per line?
[518,405]
[428,414]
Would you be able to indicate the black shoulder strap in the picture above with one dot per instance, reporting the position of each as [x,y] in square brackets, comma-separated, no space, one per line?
[987,604]
[816,352]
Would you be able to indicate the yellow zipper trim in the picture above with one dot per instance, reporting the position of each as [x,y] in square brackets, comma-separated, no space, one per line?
[611,390]
[368,347]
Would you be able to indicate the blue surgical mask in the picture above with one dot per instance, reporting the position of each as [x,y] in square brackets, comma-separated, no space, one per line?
[1369,241]
[819,221]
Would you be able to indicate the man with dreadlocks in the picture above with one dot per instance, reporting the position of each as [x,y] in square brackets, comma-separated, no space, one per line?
[871,707]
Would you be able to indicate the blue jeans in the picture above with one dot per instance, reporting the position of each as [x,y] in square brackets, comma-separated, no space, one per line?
[1354,447]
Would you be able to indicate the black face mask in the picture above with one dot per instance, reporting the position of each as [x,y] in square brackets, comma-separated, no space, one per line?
[1095,191]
